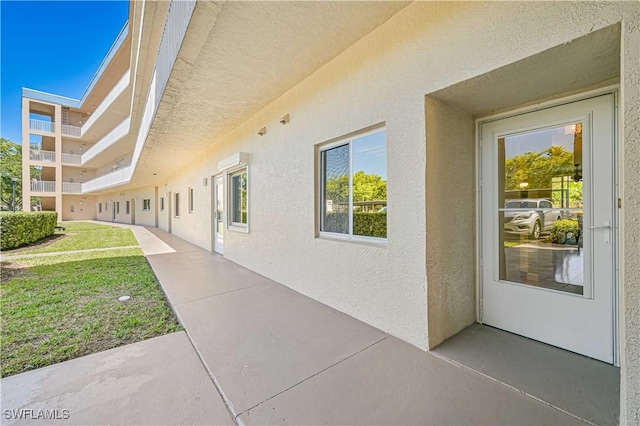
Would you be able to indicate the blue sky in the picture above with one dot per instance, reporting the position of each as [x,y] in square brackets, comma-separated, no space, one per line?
[52,46]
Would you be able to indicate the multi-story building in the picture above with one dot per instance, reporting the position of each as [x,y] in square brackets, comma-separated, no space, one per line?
[405,163]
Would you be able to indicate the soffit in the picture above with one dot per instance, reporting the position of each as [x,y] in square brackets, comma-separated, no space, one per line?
[582,63]
[254,53]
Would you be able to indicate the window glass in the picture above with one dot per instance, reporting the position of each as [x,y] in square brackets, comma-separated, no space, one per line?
[335,169]
[354,187]
[239,198]
[190,200]
[177,205]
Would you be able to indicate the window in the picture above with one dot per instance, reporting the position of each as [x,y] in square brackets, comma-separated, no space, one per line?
[353,187]
[117,207]
[161,204]
[146,204]
[99,207]
[177,204]
[128,207]
[190,200]
[239,216]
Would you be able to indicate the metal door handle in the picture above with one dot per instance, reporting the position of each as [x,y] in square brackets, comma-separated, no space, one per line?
[606,225]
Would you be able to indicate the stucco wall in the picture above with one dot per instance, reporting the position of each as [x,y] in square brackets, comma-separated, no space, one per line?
[630,214]
[135,197]
[84,207]
[451,218]
[381,79]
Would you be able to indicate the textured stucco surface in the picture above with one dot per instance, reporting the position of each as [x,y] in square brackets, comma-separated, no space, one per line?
[383,78]
[451,218]
[630,244]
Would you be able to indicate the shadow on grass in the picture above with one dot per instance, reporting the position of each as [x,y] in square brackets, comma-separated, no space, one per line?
[55,312]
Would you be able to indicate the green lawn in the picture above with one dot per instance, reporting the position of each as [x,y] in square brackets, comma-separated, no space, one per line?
[82,236]
[62,307]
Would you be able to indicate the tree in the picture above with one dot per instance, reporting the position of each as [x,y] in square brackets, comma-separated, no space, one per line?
[366,187]
[11,159]
[538,168]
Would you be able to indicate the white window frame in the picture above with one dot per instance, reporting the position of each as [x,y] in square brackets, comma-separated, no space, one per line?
[190,204]
[146,201]
[231,225]
[320,209]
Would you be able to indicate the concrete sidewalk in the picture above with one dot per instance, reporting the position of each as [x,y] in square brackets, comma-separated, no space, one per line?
[267,355]
[278,357]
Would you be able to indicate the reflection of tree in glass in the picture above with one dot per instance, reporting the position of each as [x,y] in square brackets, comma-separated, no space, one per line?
[538,168]
[366,187]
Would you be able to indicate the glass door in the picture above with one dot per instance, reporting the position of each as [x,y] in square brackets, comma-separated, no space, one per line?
[547,226]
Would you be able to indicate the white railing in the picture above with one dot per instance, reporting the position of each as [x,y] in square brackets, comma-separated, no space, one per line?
[69,130]
[72,187]
[120,131]
[43,186]
[175,28]
[42,155]
[114,178]
[41,125]
[71,158]
[114,94]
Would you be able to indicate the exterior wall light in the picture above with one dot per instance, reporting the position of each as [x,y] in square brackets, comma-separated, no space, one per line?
[284,120]
[262,131]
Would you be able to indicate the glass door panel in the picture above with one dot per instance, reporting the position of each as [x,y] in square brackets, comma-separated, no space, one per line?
[540,208]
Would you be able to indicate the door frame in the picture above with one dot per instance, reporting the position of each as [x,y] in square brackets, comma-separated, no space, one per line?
[615,232]
[214,219]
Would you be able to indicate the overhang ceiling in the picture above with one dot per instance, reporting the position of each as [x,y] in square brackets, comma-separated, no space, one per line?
[252,53]
[585,62]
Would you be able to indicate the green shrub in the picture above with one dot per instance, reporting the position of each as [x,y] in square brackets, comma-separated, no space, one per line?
[22,228]
[365,224]
[565,226]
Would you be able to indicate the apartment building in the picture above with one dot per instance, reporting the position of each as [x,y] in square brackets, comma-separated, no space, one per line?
[419,166]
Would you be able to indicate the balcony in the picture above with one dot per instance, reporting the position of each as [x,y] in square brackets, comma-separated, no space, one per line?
[72,187]
[69,130]
[42,126]
[42,155]
[71,159]
[43,186]
[116,176]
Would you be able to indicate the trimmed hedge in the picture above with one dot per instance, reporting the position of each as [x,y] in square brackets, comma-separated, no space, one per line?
[365,224]
[22,228]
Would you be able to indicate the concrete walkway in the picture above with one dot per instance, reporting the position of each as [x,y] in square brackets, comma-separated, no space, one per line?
[274,357]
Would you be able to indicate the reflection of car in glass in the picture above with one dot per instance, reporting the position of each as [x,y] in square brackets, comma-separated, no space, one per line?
[540,218]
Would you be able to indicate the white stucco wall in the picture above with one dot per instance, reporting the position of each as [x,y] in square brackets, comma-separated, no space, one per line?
[84,207]
[135,197]
[383,78]
[630,215]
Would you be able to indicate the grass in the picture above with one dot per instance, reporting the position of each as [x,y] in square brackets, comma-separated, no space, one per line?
[62,307]
[81,236]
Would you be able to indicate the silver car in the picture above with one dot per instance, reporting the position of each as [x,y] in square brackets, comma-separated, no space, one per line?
[539,217]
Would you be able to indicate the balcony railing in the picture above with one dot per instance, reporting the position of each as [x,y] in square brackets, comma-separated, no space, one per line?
[71,158]
[69,130]
[41,125]
[43,186]
[72,187]
[42,155]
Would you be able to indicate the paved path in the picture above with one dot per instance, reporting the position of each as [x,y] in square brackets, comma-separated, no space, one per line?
[273,356]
